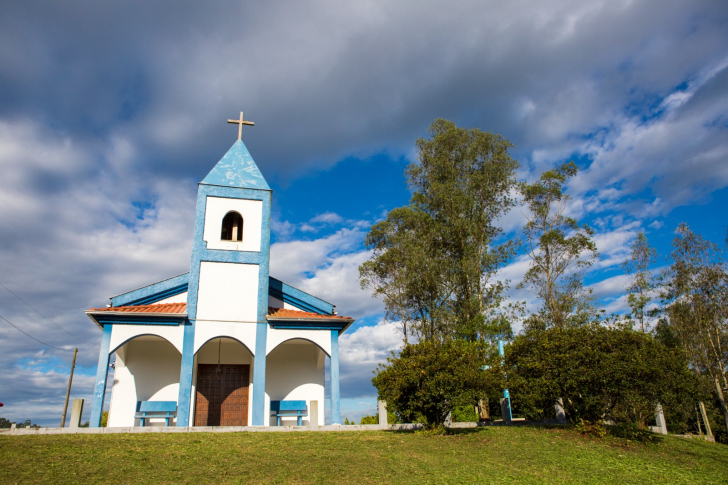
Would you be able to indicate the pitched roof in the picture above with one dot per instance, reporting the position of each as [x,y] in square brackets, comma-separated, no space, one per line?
[181,309]
[169,308]
[281,314]
[237,169]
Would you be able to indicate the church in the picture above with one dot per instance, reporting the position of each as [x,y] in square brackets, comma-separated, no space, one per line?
[226,344]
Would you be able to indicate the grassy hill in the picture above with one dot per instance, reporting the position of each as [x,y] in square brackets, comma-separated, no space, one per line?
[486,455]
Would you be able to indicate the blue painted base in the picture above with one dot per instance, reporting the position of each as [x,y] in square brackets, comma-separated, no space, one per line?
[102,371]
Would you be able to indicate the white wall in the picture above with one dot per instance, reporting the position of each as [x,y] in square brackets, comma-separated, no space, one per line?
[276,303]
[228,292]
[241,331]
[276,336]
[252,212]
[121,333]
[293,373]
[231,352]
[147,369]
[181,298]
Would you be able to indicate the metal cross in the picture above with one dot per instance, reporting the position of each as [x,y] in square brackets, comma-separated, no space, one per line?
[240,124]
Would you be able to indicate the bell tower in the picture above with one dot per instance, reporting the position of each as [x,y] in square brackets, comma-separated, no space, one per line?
[230,264]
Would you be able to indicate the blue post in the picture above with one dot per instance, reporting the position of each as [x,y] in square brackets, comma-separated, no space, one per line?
[506,394]
[335,396]
[102,371]
[184,399]
[261,338]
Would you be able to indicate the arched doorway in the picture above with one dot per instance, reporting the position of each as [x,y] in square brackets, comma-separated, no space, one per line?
[222,383]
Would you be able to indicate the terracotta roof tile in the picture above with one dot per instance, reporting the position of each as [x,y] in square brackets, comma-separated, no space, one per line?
[179,308]
[172,308]
[285,313]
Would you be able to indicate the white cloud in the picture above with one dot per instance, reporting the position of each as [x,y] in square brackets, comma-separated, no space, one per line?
[75,231]
[361,351]
[327,218]
[328,268]
[97,192]
[679,151]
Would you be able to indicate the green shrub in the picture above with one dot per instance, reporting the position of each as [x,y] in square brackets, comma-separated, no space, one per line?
[430,379]
[464,414]
[599,372]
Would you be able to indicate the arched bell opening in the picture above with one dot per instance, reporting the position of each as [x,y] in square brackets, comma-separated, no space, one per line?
[295,371]
[232,227]
[222,383]
[147,368]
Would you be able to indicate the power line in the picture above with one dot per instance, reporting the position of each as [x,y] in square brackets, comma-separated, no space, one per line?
[27,334]
[39,313]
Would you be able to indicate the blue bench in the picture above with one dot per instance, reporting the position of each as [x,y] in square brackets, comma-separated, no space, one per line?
[289,409]
[156,409]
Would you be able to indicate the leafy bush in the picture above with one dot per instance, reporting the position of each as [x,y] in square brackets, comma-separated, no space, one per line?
[464,414]
[430,379]
[391,419]
[599,372]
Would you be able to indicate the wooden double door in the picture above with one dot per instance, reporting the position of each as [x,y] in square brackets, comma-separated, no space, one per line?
[222,395]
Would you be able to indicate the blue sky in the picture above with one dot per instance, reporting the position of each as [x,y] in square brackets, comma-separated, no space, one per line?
[111,114]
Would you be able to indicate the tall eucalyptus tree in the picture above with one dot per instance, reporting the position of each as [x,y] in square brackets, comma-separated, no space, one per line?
[434,261]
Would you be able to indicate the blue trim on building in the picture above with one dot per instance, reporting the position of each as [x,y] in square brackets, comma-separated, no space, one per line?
[335,395]
[179,284]
[210,187]
[305,326]
[141,320]
[199,246]
[261,330]
[154,292]
[184,400]
[259,360]
[102,371]
[300,299]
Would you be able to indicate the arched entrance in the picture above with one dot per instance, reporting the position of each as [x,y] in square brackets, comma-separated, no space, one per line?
[222,384]
[146,369]
[295,370]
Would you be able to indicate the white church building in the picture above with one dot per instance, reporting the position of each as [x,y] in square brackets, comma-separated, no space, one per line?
[225,344]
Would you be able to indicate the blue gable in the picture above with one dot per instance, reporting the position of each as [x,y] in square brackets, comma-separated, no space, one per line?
[237,169]
[153,293]
[300,299]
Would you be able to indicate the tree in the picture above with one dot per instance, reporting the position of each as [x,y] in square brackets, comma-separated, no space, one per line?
[560,250]
[431,378]
[599,372]
[642,283]
[434,261]
[695,303]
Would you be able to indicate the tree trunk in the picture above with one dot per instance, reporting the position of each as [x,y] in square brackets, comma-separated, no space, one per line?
[721,398]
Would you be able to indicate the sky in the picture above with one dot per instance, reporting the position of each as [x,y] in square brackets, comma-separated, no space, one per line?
[112,112]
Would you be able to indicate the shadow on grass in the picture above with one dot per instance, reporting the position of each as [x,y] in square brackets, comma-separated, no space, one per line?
[631,433]
[625,432]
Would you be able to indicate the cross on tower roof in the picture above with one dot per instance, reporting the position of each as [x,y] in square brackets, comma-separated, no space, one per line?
[240,124]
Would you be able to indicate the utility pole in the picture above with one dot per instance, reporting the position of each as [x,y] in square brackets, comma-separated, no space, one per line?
[68,391]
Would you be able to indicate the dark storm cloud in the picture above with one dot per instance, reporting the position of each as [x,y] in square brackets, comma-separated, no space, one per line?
[324,80]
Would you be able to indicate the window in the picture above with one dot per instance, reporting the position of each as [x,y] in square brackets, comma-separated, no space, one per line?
[232,227]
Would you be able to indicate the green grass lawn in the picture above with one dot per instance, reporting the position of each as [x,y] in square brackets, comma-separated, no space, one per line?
[485,455]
